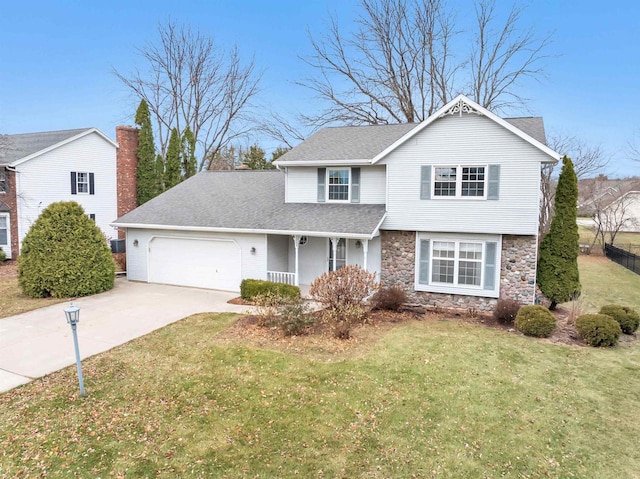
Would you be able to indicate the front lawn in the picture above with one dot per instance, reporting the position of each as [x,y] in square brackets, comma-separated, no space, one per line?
[12,301]
[423,398]
[606,282]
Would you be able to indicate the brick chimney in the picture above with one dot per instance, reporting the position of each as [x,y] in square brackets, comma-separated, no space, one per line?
[126,164]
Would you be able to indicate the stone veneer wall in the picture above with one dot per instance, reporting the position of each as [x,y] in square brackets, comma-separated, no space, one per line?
[517,275]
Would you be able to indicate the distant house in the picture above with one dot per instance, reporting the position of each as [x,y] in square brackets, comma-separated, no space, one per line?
[615,201]
[446,209]
[37,169]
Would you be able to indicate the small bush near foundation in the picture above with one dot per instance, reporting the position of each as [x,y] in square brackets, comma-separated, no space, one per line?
[267,308]
[250,288]
[598,330]
[536,321]
[294,317]
[626,317]
[343,294]
[389,299]
[506,311]
[3,255]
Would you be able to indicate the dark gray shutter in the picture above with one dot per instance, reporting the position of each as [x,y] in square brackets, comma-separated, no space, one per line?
[355,185]
[425,182]
[92,189]
[73,183]
[322,179]
[490,263]
[92,216]
[423,272]
[493,192]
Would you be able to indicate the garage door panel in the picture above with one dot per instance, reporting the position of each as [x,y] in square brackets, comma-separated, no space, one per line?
[201,263]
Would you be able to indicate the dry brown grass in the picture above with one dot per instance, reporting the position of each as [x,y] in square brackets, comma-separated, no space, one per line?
[12,301]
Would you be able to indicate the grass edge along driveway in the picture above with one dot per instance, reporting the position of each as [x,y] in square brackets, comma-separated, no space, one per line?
[417,399]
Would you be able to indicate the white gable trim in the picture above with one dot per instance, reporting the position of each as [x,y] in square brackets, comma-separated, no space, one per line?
[479,110]
[62,143]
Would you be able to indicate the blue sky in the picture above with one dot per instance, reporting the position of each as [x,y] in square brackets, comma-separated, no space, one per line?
[57,59]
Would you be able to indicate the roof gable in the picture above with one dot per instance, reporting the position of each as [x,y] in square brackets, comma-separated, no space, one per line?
[26,146]
[463,105]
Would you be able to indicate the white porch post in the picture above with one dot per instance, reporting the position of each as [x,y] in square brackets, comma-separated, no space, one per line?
[365,251]
[296,245]
[334,250]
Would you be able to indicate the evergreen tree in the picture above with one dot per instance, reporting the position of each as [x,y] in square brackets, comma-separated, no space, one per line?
[189,162]
[278,152]
[558,275]
[146,181]
[255,159]
[172,165]
[159,172]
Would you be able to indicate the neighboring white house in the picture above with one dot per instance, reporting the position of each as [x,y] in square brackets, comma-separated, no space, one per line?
[37,169]
[446,209]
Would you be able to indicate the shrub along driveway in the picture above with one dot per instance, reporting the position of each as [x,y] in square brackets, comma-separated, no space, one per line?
[39,342]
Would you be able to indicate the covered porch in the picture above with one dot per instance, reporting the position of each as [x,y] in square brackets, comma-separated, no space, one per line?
[298,259]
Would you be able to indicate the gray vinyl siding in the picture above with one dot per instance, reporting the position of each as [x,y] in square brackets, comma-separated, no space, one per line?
[302,184]
[467,140]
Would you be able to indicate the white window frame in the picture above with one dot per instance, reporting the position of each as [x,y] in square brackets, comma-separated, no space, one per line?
[328,185]
[4,182]
[78,182]
[463,289]
[458,194]
[6,247]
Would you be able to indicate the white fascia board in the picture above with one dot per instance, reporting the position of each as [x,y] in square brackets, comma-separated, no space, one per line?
[376,231]
[544,148]
[321,234]
[62,143]
[323,163]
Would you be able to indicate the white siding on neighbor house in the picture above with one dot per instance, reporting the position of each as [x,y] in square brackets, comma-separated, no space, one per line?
[466,140]
[302,184]
[46,179]
[313,257]
[254,265]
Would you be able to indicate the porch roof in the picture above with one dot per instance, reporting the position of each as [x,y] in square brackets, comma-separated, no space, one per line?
[248,202]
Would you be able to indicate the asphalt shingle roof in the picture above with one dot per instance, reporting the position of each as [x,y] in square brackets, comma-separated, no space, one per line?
[365,142]
[249,200]
[15,147]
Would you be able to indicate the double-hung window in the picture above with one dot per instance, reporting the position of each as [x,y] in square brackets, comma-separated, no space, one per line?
[4,230]
[82,183]
[465,264]
[459,181]
[338,181]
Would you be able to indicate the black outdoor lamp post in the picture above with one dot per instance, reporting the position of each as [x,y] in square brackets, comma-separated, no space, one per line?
[73,316]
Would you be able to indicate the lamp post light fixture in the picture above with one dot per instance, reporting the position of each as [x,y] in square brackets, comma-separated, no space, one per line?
[73,316]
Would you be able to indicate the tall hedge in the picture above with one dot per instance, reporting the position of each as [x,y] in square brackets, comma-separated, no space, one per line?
[65,254]
[146,174]
[558,275]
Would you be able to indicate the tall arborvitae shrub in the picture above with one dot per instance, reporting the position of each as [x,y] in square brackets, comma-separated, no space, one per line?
[146,173]
[558,276]
[172,164]
[65,254]
[189,161]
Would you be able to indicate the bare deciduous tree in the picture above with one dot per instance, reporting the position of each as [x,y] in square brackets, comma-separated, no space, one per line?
[587,160]
[611,217]
[189,81]
[404,62]
[282,130]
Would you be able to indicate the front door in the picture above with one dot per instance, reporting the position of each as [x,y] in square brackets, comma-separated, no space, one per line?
[341,254]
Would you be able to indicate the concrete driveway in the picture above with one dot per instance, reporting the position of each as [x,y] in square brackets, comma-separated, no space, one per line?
[39,342]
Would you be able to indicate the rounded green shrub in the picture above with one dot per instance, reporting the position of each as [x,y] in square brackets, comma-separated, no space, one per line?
[65,254]
[599,330]
[626,317]
[250,288]
[536,321]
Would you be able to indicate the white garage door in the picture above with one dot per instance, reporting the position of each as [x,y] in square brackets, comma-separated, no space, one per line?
[211,264]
